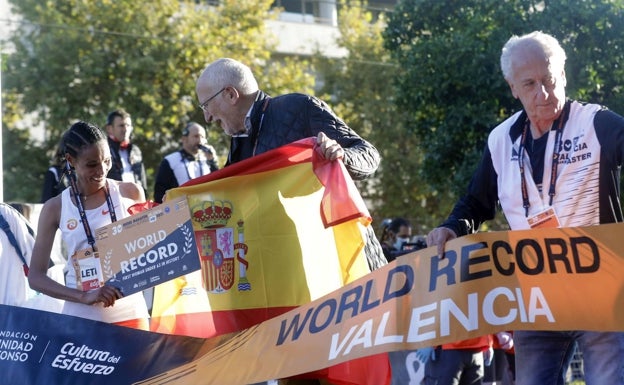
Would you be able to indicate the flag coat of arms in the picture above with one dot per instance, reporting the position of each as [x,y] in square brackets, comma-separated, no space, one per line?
[273,232]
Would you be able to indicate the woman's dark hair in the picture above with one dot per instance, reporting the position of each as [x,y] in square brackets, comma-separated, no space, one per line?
[80,135]
[392,226]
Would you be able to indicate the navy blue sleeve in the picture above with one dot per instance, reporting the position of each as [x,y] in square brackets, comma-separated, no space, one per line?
[609,128]
[361,158]
[165,180]
[50,186]
[480,201]
[610,132]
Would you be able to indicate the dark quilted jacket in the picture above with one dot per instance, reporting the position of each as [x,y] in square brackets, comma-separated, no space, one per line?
[136,162]
[287,118]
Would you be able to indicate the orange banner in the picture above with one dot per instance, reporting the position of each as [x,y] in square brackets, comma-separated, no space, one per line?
[544,279]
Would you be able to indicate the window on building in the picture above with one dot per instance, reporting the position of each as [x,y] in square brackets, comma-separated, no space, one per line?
[296,6]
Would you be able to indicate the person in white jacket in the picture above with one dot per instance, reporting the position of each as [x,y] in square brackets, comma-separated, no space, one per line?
[16,244]
[555,163]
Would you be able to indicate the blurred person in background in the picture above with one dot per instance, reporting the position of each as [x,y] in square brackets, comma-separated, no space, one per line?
[55,179]
[127,159]
[194,159]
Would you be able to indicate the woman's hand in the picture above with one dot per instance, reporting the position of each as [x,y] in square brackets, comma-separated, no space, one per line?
[105,294]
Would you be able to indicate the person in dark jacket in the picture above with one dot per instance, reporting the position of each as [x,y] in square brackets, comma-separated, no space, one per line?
[55,179]
[395,234]
[229,96]
[127,159]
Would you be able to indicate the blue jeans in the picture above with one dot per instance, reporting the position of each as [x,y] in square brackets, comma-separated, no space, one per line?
[542,357]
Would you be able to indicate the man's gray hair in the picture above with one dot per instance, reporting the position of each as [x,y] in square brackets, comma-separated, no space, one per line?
[549,45]
[229,72]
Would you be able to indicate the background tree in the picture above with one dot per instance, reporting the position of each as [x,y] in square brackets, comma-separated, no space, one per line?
[361,92]
[79,59]
[452,84]
[426,89]
[19,155]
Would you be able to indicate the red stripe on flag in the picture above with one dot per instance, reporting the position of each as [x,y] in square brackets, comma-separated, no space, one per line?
[210,324]
[288,155]
[371,370]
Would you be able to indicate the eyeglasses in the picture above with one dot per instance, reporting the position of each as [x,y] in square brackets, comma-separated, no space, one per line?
[204,105]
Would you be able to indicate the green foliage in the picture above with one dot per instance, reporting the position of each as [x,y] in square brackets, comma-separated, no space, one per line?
[361,91]
[451,82]
[452,85]
[423,86]
[79,59]
[24,164]
[592,34]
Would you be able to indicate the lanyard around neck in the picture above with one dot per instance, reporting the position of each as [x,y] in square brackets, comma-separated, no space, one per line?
[555,160]
[81,209]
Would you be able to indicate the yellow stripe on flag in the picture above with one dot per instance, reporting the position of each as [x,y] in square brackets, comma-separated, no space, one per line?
[264,242]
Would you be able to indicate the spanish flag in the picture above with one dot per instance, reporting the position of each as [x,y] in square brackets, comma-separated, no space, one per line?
[273,232]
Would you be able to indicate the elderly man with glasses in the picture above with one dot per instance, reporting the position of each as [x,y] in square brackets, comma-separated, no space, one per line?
[228,94]
[256,122]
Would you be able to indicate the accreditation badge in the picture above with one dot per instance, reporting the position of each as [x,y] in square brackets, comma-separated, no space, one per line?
[88,269]
[543,219]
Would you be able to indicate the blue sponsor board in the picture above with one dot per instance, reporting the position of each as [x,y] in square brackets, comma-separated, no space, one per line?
[173,256]
[148,248]
[39,347]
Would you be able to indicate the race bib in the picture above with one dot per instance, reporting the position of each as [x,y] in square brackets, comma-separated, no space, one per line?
[546,218]
[88,269]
